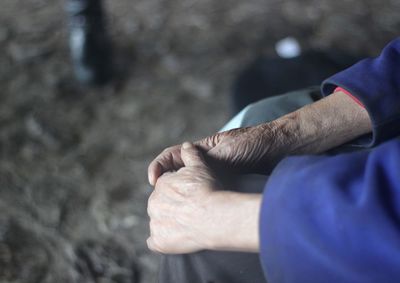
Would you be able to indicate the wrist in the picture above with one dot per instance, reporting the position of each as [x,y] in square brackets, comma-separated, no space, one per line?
[282,137]
[237,219]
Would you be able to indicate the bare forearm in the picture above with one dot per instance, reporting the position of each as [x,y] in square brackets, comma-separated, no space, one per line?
[237,215]
[323,125]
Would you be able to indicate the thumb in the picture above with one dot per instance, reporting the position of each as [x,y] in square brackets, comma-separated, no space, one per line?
[191,156]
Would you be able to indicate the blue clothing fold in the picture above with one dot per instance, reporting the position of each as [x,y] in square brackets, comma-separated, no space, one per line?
[376,83]
[337,218]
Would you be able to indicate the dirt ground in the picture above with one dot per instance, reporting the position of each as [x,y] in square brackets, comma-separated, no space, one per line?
[73,182]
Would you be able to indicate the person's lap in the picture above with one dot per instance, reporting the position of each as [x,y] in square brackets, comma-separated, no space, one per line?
[269,109]
[232,267]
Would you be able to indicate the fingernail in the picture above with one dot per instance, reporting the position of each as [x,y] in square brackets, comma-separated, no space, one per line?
[186,145]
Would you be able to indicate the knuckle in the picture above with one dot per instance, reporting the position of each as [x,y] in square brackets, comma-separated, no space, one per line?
[153,226]
[150,211]
[163,178]
[155,244]
[163,182]
[160,182]
[151,205]
[169,149]
[159,187]
[151,198]
[151,245]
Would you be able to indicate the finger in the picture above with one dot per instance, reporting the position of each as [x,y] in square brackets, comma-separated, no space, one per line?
[154,171]
[207,143]
[191,156]
[220,152]
[168,160]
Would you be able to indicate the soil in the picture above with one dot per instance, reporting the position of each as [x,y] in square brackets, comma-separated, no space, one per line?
[73,182]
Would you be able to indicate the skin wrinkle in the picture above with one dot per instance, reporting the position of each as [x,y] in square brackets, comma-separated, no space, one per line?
[327,124]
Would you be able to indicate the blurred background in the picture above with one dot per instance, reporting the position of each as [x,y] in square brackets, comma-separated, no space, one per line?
[73,179]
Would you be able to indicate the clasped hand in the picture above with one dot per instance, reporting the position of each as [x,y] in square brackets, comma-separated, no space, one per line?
[188,209]
[244,150]
[180,207]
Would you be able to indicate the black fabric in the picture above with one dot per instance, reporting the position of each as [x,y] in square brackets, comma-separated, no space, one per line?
[211,267]
[269,76]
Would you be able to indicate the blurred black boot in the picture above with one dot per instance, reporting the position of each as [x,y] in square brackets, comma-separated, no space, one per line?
[269,76]
[89,44]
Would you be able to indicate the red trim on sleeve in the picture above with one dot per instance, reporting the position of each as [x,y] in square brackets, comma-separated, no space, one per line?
[349,94]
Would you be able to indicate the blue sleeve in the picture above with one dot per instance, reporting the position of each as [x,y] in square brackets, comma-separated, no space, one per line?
[376,83]
[333,219]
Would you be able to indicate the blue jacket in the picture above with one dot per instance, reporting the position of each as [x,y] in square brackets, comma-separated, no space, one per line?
[337,218]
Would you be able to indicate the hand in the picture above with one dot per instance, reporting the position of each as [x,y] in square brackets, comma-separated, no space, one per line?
[180,220]
[247,150]
[188,211]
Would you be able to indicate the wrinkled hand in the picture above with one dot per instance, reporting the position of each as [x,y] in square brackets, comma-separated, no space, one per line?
[180,215]
[247,150]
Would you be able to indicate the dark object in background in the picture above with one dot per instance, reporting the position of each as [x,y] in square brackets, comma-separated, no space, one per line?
[269,76]
[89,43]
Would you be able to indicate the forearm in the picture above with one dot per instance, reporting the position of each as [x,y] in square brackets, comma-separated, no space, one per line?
[237,218]
[323,125]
